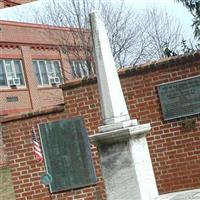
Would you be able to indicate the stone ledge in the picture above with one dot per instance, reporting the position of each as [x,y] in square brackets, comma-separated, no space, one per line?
[118,125]
[43,111]
[79,82]
[138,69]
[165,62]
[120,135]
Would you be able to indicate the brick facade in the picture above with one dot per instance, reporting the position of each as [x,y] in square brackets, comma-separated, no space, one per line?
[174,150]
[28,42]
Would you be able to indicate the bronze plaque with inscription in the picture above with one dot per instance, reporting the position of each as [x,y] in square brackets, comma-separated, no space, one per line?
[67,154]
[180,98]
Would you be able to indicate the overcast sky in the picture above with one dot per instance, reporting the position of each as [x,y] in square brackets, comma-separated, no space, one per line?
[175,9]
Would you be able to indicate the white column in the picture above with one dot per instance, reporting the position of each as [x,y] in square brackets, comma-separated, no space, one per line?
[108,81]
[124,153]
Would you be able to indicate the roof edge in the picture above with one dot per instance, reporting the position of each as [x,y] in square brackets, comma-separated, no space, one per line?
[37,25]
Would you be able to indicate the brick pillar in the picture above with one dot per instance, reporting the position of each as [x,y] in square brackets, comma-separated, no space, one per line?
[66,68]
[30,77]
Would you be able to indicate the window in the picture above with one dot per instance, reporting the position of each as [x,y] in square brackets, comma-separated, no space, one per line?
[11,73]
[80,68]
[47,72]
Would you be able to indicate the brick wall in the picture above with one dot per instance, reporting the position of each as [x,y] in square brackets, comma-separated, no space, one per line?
[22,103]
[175,151]
[26,170]
[50,96]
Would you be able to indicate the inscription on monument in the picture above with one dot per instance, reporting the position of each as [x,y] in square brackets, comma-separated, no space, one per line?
[180,98]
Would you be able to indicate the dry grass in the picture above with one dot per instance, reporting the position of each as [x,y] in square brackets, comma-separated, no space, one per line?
[6,187]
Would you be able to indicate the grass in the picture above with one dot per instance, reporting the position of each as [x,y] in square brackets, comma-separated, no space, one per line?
[6,187]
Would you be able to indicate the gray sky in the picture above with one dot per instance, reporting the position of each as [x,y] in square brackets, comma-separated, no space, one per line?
[175,9]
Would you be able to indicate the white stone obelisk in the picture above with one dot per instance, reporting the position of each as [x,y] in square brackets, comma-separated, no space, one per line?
[124,154]
[108,80]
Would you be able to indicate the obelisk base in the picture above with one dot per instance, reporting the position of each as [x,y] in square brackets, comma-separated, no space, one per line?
[126,163]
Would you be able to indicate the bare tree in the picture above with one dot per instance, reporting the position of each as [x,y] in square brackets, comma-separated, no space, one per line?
[134,37]
[163,32]
[125,33]
[77,42]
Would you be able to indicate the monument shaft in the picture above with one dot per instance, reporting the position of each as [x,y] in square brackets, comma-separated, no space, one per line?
[124,153]
[108,81]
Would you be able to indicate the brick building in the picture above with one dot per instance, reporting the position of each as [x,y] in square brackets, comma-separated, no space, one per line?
[33,61]
[174,144]
[10,3]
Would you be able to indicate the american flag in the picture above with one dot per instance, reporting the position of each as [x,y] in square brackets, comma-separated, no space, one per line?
[36,146]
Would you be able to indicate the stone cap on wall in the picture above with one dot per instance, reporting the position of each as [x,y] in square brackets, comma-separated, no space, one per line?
[138,69]
[39,112]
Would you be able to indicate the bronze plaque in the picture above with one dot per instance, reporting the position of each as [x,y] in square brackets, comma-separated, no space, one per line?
[67,154]
[180,98]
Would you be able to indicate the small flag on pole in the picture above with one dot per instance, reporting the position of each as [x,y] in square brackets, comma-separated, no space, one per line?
[36,146]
